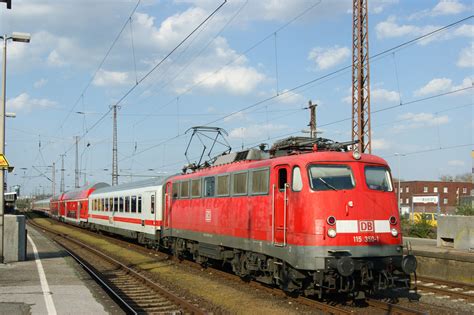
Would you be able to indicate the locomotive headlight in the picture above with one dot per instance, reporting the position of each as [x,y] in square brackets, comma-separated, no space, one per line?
[356,155]
[394,232]
[332,233]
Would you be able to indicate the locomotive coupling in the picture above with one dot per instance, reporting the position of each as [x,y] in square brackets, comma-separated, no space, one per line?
[409,264]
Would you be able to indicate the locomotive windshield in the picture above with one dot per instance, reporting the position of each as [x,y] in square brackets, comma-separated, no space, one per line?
[331,177]
[378,178]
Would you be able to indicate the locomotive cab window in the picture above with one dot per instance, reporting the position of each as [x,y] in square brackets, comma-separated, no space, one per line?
[331,177]
[297,183]
[209,186]
[378,178]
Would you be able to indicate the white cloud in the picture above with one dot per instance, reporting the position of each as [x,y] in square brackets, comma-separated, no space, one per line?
[383,95]
[255,131]
[380,144]
[24,102]
[290,97]
[234,79]
[377,6]
[456,163]
[448,7]
[438,85]
[40,83]
[466,57]
[325,58]
[391,29]
[443,7]
[418,120]
[54,59]
[377,95]
[111,78]
[239,116]
[442,85]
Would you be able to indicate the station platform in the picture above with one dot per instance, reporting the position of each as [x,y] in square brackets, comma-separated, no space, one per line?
[443,263]
[50,282]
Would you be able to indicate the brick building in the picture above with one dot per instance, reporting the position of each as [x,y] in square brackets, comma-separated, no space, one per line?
[449,193]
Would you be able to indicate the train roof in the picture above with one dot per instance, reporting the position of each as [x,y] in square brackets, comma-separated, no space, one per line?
[42,201]
[301,158]
[156,181]
[83,192]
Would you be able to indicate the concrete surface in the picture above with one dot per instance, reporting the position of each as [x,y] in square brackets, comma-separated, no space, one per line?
[456,231]
[63,288]
[440,262]
[15,238]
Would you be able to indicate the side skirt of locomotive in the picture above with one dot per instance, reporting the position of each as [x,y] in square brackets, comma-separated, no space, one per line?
[340,274]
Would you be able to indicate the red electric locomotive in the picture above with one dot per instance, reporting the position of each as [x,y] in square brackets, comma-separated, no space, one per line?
[307,219]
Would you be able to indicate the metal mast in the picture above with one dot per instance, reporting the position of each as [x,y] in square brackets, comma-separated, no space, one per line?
[312,122]
[76,180]
[114,149]
[360,78]
[53,180]
[61,188]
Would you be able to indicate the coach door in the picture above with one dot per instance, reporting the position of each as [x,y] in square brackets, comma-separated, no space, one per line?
[167,206]
[280,189]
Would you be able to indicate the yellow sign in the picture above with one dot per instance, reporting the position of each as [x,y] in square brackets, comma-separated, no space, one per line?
[3,162]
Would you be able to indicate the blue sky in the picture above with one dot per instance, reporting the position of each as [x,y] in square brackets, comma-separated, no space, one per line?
[63,82]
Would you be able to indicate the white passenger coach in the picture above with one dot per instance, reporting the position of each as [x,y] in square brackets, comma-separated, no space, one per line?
[132,210]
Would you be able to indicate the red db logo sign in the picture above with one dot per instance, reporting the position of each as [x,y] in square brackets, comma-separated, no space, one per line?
[366,226]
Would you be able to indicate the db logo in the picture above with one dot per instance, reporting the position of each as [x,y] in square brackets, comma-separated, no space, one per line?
[366,226]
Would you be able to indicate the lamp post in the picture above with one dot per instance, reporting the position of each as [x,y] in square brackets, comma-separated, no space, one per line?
[16,37]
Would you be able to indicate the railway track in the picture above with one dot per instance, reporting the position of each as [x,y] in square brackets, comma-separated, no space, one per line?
[135,293]
[460,291]
[329,307]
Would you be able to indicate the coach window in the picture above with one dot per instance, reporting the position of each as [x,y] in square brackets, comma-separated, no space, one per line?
[106,204]
[260,182]
[152,203]
[139,201]
[223,183]
[209,186]
[175,190]
[282,178]
[134,204]
[297,182]
[121,204]
[116,208]
[196,188]
[127,204]
[239,184]
[184,193]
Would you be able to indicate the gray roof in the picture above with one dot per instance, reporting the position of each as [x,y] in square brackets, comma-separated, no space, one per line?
[156,181]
